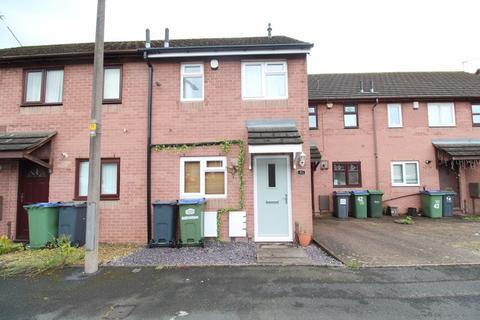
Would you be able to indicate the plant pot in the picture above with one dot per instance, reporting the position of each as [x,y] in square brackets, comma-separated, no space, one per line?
[304,239]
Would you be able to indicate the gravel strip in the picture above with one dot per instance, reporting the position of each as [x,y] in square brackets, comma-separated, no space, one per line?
[214,253]
[320,257]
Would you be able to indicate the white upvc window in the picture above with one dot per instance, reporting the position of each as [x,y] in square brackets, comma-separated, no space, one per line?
[441,114]
[203,177]
[405,173]
[191,82]
[395,115]
[264,80]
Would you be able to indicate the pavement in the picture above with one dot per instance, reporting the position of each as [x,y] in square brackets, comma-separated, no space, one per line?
[279,254]
[249,292]
[381,242]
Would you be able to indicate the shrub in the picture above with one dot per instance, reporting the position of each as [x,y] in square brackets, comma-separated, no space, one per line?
[7,245]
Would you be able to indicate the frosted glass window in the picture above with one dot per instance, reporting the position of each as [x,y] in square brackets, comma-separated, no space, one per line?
[109,178]
[394,115]
[253,83]
[112,83]
[192,82]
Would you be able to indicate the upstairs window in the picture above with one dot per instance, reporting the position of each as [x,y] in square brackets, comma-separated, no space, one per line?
[476,115]
[43,86]
[350,116]
[192,82]
[204,177]
[394,115]
[112,84]
[405,173]
[441,115]
[347,174]
[264,80]
[312,118]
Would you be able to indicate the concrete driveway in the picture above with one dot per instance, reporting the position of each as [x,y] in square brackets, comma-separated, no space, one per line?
[381,242]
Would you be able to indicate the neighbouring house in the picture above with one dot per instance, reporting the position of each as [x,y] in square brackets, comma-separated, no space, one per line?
[397,132]
[223,119]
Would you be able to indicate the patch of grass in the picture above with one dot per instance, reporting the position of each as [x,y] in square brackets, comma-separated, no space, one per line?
[472,218]
[108,252]
[406,220]
[473,246]
[7,245]
[353,264]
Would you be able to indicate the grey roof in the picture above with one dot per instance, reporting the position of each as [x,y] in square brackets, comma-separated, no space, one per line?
[132,47]
[459,149]
[266,132]
[347,86]
[23,141]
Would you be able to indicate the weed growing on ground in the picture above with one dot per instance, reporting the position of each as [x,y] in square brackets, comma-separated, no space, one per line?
[472,218]
[406,220]
[353,264]
[7,245]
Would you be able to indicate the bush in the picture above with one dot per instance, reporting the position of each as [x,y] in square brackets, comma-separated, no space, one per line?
[7,245]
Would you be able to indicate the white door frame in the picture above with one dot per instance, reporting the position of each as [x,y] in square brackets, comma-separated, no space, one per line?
[289,238]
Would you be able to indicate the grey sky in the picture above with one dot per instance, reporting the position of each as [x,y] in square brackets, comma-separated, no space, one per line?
[349,35]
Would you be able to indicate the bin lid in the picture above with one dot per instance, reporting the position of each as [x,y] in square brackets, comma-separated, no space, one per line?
[341,193]
[449,192]
[192,201]
[73,204]
[44,205]
[433,192]
[171,202]
[375,192]
[359,192]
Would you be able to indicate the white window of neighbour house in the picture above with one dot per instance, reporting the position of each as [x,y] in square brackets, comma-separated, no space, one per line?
[405,173]
[394,115]
[192,82]
[441,114]
[203,177]
[264,80]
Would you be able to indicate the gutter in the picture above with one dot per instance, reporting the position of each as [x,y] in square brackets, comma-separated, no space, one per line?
[149,146]
[375,146]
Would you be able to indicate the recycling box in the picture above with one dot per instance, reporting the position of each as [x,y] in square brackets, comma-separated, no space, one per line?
[432,203]
[191,221]
[359,198]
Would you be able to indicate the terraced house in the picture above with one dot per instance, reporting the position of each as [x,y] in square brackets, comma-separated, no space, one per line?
[234,120]
[223,119]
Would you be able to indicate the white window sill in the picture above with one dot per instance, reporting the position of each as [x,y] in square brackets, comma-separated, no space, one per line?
[194,196]
[264,98]
[405,185]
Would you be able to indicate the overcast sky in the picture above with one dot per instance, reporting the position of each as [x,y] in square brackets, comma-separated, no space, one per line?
[349,35]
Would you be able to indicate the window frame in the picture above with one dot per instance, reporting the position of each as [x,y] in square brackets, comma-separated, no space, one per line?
[113,101]
[403,163]
[203,169]
[43,87]
[193,64]
[450,125]
[399,105]
[314,113]
[350,113]
[346,164]
[264,64]
[106,197]
[475,124]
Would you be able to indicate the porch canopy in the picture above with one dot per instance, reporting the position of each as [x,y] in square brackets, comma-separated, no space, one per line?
[21,145]
[463,151]
[274,136]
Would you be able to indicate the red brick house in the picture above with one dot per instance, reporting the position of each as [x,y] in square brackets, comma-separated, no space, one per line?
[227,117]
[397,132]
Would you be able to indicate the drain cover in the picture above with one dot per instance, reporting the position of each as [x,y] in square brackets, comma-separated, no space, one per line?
[119,312]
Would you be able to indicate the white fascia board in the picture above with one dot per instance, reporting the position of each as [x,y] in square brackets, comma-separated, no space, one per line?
[226,53]
[275,148]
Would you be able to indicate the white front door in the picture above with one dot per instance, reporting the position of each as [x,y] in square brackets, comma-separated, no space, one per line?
[273,220]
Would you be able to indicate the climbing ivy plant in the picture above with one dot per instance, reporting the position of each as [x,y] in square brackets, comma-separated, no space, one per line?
[225,147]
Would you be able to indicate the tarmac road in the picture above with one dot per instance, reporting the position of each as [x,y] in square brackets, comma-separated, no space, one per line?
[246,293]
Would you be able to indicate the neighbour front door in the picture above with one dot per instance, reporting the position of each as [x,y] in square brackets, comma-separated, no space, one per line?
[273,217]
[32,187]
[449,180]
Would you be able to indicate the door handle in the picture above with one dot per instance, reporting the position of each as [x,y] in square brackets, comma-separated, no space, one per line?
[271,201]
[286,198]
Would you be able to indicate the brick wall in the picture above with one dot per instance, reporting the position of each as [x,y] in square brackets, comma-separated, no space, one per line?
[412,142]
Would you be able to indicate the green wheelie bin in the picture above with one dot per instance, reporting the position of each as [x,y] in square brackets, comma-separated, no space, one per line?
[360,203]
[42,223]
[374,206]
[432,203]
[191,221]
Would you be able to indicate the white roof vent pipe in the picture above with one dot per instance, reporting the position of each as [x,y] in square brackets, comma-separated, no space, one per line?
[147,38]
[166,42]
